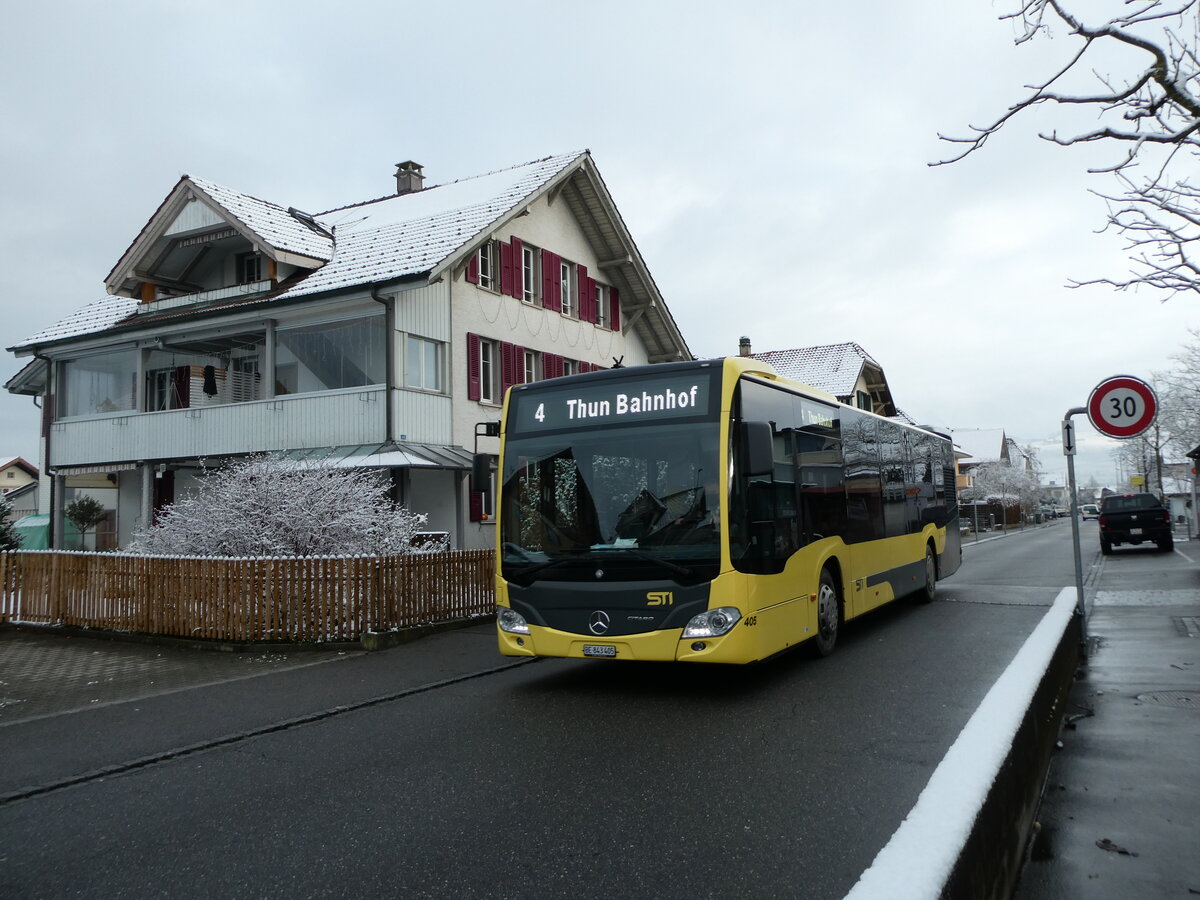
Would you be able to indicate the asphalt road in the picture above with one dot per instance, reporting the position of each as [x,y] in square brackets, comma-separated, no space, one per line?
[438,769]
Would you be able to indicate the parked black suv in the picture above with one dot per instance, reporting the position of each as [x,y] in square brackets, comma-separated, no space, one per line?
[1134,519]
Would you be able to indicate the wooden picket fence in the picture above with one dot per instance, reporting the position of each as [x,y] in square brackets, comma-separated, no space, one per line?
[310,599]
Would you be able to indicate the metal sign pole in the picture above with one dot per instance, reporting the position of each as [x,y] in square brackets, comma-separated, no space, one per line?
[1069,452]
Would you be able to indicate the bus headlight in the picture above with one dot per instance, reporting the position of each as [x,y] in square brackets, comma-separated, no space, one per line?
[713,623]
[511,621]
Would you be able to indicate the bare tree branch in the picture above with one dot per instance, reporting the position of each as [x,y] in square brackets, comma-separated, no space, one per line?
[1152,110]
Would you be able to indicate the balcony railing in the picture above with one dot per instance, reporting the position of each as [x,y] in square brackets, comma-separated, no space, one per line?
[328,419]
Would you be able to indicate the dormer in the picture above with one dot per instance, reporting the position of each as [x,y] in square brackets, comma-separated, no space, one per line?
[206,243]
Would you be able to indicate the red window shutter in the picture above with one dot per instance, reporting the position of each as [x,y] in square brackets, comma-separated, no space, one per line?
[551,365]
[473,367]
[551,286]
[506,269]
[581,282]
[48,406]
[518,258]
[614,303]
[476,505]
[508,366]
[473,268]
[518,365]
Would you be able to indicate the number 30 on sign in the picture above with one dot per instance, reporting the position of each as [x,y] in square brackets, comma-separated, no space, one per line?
[1122,406]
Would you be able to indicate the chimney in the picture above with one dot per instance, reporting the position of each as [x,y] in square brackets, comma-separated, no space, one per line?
[744,347]
[409,177]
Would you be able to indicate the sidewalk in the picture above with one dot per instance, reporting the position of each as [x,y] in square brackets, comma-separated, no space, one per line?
[1120,813]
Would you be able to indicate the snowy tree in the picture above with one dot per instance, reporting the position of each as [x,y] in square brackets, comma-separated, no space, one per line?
[10,539]
[1004,483]
[266,506]
[1151,112]
[1179,410]
[1176,429]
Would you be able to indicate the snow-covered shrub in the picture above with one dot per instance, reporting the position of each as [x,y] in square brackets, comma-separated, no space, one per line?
[10,538]
[266,506]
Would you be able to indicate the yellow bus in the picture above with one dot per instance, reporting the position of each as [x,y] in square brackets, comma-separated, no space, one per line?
[708,511]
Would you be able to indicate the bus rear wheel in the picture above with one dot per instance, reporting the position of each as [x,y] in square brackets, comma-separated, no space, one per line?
[927,593]
[829,614]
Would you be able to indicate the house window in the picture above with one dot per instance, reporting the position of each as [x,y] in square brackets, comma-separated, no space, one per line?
[529,274]
[863,400]
[423,364]
[161,390]
[249,267]
[487,266]
[332,356]
[601,306]
[530,366]
[570,367]
[488,371]
[104,383]
[564,280]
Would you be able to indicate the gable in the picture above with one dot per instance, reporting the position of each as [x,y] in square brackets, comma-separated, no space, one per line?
[207,242]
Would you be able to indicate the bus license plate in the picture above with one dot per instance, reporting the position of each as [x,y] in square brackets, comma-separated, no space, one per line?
[1135,531]
[605,650]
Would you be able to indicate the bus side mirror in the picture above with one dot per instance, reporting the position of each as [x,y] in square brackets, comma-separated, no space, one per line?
[757,450]
[481,473]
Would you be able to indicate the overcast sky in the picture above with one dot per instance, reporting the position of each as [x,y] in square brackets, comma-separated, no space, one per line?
[770,160]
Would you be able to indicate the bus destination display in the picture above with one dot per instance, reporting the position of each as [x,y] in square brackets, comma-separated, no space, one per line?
[612,403]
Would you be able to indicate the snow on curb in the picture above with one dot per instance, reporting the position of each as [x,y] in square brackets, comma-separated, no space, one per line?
[919,859]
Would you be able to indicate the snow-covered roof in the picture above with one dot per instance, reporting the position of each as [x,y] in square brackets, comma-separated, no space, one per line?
[417,233]
[410,234]
[279,227]
[831,367]
[96,316]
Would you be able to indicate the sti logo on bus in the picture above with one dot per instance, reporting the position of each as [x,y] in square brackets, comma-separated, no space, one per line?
[660,598]
[615,403]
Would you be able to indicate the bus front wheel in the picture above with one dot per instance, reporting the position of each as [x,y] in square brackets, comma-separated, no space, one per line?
[829,614]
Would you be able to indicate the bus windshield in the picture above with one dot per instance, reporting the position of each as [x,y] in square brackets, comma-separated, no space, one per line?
[632,502]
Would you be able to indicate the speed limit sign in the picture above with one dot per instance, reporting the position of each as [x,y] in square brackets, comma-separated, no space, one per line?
[1122,406]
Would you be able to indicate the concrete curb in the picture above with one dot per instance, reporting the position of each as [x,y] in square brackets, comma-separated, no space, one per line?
[370,641]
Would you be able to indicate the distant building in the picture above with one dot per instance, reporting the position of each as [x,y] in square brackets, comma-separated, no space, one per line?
[980,446]
[19,485]
[845,370]
[15,473]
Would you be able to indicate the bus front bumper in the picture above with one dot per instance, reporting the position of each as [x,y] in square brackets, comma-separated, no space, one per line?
[660,646]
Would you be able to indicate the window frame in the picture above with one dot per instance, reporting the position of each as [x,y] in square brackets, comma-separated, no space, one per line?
[486,256]
[530,275]
[566,281]
[424,346]
[246,265]
[489,370]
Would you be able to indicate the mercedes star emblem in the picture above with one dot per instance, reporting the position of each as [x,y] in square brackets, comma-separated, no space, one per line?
[598,623]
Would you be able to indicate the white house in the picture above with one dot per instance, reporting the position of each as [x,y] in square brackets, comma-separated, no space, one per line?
[376,334]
